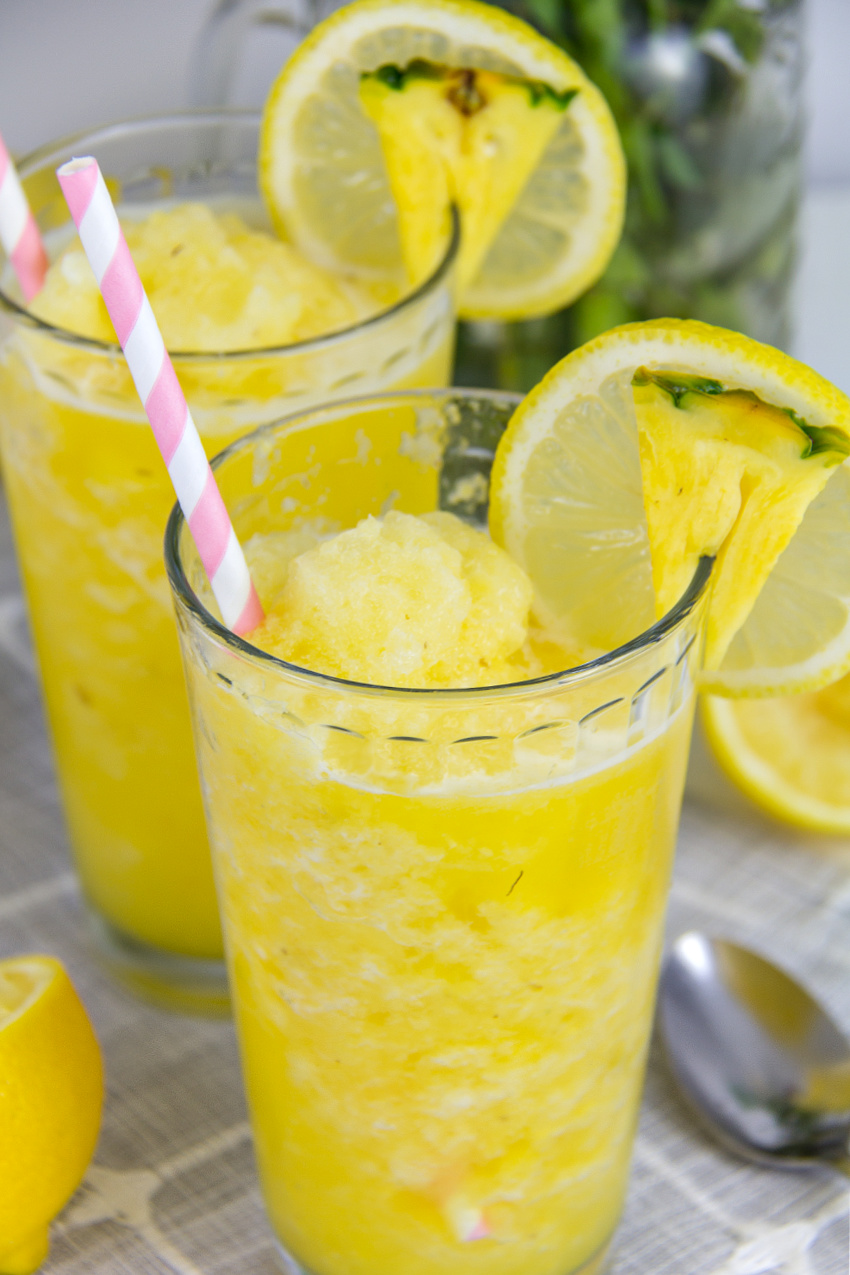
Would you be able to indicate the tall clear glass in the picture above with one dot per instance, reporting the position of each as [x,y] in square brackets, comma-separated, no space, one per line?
[89,497]
[442,909]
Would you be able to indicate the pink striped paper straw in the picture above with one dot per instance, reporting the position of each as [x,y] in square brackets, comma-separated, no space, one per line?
[155,379]
[18,231]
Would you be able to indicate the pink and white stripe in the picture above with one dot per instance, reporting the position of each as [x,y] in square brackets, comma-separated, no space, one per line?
[18,231]
[153,373]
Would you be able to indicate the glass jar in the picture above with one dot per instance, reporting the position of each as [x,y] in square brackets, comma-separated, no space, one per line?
[707,96]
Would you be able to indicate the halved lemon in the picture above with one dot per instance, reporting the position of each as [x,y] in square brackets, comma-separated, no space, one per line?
[733,450]
[392,110]
[790,755]
[51,1093]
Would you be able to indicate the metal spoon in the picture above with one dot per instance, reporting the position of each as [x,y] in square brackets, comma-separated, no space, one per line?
[761,1063]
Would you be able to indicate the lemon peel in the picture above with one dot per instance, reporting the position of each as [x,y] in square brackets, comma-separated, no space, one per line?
[791,755]
[51,1094]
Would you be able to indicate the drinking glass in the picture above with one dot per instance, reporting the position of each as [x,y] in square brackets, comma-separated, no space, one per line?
[89,497]
[709,103]
[442,908]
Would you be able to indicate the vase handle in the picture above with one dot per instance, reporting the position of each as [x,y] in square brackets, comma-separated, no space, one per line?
[215,59]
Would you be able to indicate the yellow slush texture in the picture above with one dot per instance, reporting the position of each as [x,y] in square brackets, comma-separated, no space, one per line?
[443,999]
[443,993]
[214,283]
[89,497]
[444,605]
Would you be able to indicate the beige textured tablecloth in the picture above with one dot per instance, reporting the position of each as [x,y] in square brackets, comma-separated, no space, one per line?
[172,1187]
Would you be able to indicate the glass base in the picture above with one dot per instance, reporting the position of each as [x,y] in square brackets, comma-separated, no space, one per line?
[184,984]
[597,1265]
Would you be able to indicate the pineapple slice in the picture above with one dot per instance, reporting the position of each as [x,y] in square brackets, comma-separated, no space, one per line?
[467,138]
[725,475]
[617,474]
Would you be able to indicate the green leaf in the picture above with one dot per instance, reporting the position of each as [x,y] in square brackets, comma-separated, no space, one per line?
[546,13]
[676,163]
[598,311]
[744,26]
[658,14]
[641,155]
[627,270]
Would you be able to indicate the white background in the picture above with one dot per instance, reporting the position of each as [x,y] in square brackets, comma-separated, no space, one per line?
[72,64]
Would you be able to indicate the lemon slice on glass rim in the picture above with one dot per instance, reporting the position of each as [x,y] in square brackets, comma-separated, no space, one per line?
[51,1093]
[735,450]
[393,109]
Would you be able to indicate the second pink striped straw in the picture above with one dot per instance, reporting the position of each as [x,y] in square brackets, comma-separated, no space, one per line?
[155,379]
[19,234]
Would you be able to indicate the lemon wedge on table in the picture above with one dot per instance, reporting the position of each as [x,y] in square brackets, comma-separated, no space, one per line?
[790,755]
[51,1093]
[392,110]
[662,442]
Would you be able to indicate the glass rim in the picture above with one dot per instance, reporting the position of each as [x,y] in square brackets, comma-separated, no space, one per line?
[186,596]
[87,139]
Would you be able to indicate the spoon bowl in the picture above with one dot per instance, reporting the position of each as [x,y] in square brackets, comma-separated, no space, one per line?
[756,1057]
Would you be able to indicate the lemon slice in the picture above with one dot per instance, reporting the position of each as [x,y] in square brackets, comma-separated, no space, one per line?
[51,1093]
[752,475]
[790,755]
[393,109]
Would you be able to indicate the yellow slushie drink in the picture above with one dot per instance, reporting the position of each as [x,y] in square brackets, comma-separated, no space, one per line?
[442,864]
[442,823]
[89,499]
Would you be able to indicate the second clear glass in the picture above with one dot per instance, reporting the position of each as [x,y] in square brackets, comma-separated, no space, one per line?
[89,497]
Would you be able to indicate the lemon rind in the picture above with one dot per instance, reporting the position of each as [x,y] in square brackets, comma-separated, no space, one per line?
[43,970]
[53,1098]
[813,674]
[759,781]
